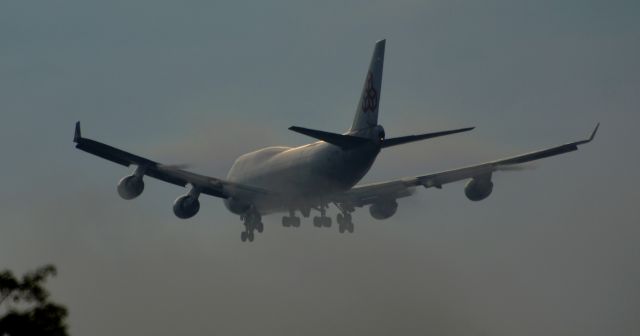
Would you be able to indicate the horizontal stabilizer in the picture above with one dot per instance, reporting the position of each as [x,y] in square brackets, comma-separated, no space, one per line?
[411,138]
[340,140]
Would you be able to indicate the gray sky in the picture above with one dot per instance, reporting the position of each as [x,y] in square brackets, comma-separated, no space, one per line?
[554,250]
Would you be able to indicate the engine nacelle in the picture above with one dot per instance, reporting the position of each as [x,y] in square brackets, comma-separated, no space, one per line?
[186,206]
[130,187]
[478,188]
[383,210]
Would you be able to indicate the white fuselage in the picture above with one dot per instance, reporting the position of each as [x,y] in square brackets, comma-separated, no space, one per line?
[299,175]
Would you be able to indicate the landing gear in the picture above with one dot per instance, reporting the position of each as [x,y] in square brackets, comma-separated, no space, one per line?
[305,211]
[244,236]
[260,227]
[322,220]
[252,222]
[252,219]
[344,223]
[291,220]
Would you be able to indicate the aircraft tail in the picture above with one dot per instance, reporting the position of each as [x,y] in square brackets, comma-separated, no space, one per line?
[367,111]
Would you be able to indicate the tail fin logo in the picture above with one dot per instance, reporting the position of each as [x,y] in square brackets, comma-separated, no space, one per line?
[369,96]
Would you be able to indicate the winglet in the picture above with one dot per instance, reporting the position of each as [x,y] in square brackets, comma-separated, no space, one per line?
[595,130]
[591,137]
[77,135]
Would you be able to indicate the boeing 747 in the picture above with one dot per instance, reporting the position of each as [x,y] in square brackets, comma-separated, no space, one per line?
[294,180]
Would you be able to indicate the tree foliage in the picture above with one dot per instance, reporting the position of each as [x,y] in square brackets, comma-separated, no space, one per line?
[28,310]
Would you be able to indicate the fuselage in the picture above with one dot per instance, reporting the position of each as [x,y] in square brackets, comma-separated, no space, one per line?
[300,175]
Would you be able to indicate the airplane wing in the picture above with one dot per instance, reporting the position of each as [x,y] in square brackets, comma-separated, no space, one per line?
[167,173]
[363,195]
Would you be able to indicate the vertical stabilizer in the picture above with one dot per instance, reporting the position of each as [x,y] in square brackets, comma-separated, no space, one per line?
[367,112]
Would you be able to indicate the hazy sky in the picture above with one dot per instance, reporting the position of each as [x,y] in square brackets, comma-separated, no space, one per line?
[554,251]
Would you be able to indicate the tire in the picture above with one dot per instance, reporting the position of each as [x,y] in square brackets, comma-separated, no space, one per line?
[243,236]
[347,218]
[260,227]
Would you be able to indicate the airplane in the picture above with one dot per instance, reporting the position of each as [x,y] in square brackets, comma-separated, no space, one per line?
[313,176]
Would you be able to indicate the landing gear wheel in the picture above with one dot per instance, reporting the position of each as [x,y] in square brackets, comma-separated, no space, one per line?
[288,221]
[344,222]
[322,221]
[350,227]
[252,222]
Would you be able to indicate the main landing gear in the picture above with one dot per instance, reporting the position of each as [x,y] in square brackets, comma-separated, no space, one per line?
[345,224]
[322,220]
[252,222]
[292,220]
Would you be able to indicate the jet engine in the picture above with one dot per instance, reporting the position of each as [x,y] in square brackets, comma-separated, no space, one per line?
[383,210]
[478,188]
[130,187]
[186,206]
